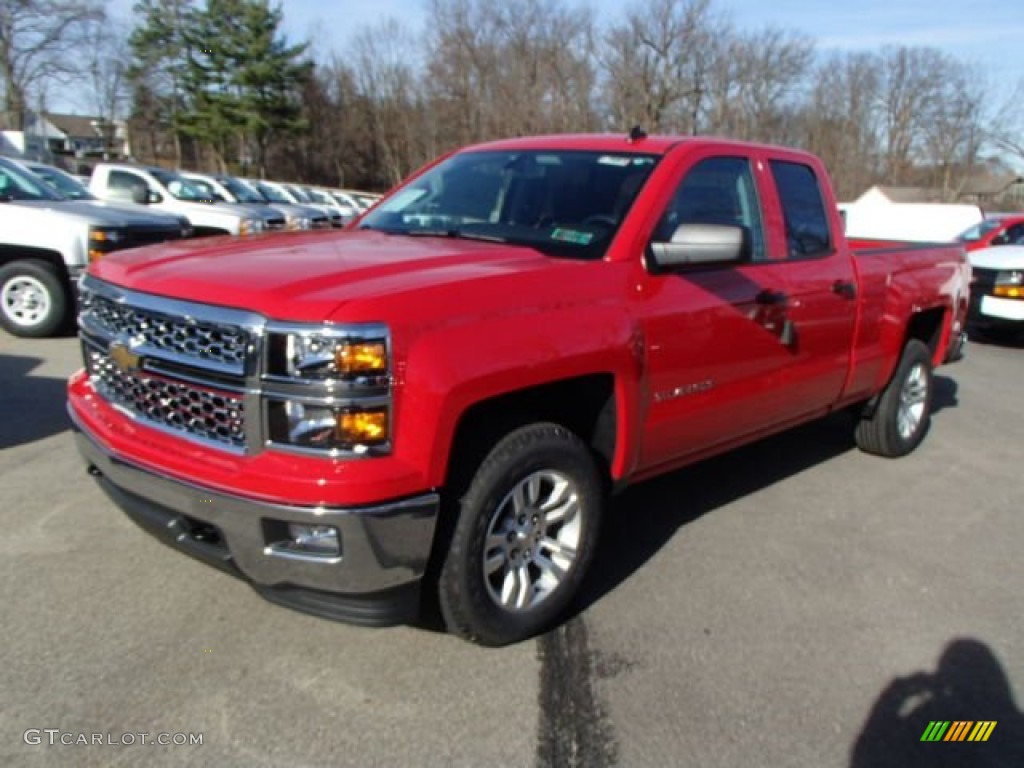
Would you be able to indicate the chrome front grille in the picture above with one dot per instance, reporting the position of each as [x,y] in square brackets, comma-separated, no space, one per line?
[187,339]
[205,413]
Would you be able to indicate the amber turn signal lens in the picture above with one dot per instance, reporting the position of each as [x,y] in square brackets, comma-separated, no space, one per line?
[1009,291]
[95,255]
[363,427]
[363,357]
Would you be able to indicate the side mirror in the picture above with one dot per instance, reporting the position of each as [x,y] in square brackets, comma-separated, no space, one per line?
[153,197]
[696,244]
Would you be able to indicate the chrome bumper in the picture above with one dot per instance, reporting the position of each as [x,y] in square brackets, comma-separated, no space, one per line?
[375,581]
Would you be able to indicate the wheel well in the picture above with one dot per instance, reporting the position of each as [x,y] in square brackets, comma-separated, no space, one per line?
[9,254]
[583,405]
[926,326]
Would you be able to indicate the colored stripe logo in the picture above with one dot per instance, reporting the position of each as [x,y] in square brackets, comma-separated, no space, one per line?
[958,730]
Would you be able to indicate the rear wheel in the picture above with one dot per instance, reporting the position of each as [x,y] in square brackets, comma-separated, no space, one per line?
[903,412]
[524,536]
[33,299]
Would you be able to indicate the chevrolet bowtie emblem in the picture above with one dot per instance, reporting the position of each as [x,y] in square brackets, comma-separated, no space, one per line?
[124,358]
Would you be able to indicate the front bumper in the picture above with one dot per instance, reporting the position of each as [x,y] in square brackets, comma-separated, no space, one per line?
[987,309]
[374,582]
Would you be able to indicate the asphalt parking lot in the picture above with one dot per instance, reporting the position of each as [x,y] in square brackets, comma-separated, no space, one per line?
[796,603]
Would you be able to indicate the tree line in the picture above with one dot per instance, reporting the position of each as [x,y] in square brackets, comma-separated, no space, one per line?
[216,84]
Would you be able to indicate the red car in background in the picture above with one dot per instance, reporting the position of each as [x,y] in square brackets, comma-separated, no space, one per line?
[1003,229]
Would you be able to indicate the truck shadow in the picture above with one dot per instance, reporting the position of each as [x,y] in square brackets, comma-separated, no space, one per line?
[968,685]
[645,517]
[31,408]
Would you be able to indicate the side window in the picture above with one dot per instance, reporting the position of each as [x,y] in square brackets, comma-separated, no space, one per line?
[803,208]
[124,181]
[719,190]
[1015,234]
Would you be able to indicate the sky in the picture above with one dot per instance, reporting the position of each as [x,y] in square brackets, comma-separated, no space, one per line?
[988,33]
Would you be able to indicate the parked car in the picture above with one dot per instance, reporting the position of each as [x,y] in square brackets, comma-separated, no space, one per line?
[452,387]
[162,190]
[46,242]
[230,189]
[347,209]
[273,219]
[284,193]
[997,229]
[997,288]
[71,187]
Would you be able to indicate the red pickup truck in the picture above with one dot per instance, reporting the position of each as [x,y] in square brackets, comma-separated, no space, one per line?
[446,393]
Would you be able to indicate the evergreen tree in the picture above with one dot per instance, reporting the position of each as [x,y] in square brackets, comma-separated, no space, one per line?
[242,80]
[158,68]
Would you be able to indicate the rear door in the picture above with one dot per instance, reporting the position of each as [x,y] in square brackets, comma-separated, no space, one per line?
[820,306]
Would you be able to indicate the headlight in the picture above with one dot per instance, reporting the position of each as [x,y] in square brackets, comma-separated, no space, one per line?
[315,356]
[103,241]
[250,226]
[1009,285]
[327,427]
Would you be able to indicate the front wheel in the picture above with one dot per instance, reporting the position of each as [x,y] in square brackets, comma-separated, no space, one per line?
[33,299]
[524,536]
[903,412]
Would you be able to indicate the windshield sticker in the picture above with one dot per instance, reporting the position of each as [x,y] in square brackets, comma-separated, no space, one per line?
[618,160]
[572,236]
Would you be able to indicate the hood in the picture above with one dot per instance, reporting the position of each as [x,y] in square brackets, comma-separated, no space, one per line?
[129,214]
[294,209]
[310,276]
[90,214]
[998,257]
[233,210]
[257,211]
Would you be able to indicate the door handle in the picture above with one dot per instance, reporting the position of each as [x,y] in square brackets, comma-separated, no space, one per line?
[771,298]
[845,288]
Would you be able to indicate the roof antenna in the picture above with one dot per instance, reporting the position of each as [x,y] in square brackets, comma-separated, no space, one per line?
[636,134]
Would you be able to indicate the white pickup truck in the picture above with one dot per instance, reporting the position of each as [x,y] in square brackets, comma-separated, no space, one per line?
[163,190]
[47,241]
[231,190]
[997,289]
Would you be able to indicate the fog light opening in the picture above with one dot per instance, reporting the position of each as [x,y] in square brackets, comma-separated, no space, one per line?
[304,541]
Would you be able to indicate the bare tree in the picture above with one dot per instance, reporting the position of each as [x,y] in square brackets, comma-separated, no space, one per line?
[657,64]
[839,120]
[38,43]
[1006,127]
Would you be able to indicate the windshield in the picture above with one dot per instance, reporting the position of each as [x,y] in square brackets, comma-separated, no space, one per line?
[319,197]
[565,203]
[181,188]
[242,192]
[273,195]
[16,184]
[979,230]
[300,194]
[64,183]
[207,190]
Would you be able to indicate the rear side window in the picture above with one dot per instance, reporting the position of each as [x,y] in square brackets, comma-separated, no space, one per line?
[803,208]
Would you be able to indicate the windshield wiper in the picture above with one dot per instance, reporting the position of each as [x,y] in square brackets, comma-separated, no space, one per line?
[453,233]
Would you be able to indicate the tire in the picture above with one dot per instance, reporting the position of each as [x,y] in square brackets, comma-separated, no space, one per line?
[33,299]
[512,568]
[903,413]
